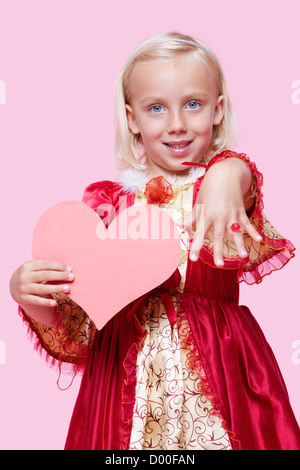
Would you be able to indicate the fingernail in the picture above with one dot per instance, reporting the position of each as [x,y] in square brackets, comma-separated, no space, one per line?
[68,268]
[52,303]
[71,276]
[219,262]
[259,238]
[193,257]
[244,253]
[66,288]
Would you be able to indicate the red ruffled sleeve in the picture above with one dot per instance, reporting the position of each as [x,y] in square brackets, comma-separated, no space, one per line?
[107,198]
[271,254]
[66,345]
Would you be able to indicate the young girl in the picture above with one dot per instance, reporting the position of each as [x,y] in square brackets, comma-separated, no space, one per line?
[185,366]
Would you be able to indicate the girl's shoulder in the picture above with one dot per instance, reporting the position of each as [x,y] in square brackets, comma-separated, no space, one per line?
[242,156]
[103,192]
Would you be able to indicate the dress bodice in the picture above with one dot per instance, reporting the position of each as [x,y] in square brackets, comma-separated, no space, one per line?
[197,278]
[202,277]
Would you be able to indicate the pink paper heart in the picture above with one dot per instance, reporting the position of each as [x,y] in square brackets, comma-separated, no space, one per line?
[139,251]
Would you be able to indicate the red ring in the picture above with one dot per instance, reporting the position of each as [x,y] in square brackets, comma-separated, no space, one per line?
[235,227]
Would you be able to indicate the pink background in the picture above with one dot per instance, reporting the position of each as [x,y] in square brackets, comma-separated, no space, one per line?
[59,60]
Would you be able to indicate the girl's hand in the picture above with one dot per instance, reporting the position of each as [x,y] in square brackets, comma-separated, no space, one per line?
[27,284]
[220,203]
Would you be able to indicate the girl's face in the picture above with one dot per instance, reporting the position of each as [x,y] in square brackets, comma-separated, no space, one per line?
[173,107]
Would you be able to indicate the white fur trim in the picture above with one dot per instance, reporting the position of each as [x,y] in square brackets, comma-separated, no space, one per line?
[133,179]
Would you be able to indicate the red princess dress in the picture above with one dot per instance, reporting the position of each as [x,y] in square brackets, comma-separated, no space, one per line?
[184,367]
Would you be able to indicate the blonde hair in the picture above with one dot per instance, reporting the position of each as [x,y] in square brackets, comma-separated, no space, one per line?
[129,149]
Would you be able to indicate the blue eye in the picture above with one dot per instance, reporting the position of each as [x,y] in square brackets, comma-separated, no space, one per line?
[156,108]
[193,104]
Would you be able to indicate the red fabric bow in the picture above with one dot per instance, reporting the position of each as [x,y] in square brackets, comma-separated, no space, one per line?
[158,190]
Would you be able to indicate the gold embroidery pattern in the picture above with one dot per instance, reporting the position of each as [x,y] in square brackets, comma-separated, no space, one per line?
[170,411]
[179,206]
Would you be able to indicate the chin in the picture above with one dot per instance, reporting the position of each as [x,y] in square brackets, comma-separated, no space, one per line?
[177,168]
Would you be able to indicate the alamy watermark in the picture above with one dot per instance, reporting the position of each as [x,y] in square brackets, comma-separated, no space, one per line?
[140,221]
[2,92]
[2,352]
[296,94]
[296,353]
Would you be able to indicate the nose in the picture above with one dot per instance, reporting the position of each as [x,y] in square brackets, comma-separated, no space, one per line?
[176,124]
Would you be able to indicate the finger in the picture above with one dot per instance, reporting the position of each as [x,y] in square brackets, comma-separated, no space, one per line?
[202,227]
[238,240]
[51,276]
[46,289]
[39,265]
[38,301]
[218,243]
[249,228]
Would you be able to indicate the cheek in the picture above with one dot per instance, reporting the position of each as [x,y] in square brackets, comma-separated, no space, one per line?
[151,129]
[203,125]
[203,131]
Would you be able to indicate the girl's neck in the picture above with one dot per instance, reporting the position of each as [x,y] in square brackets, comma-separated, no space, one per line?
[157,171]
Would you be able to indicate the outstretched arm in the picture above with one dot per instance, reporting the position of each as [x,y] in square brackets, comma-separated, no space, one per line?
[223,199]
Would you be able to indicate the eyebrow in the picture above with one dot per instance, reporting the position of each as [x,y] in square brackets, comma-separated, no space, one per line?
[197,94]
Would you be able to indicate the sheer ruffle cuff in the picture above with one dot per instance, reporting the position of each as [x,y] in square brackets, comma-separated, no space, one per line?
[65,347]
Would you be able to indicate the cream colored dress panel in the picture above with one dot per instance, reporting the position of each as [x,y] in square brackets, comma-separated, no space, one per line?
[170,412]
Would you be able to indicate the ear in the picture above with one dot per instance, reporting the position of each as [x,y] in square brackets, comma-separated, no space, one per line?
[219,110]
[132,124]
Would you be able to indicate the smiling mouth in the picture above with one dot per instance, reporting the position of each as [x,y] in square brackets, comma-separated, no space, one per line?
[179,145]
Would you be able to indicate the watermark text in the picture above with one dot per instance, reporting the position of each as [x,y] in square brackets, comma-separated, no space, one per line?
[296,353]
[296,94]
[2,352]
[2,92]
[141,221]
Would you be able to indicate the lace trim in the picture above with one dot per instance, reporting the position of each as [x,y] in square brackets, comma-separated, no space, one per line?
[129,385]
[65,347]
[170,410]
[195,363]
